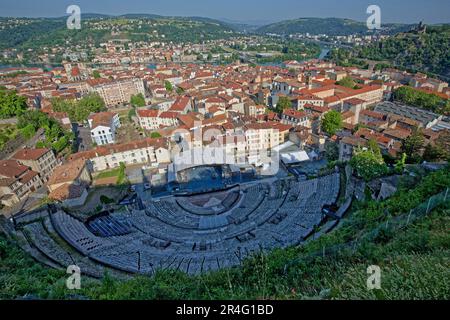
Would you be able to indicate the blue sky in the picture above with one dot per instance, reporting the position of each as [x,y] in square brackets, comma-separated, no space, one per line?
[408,11]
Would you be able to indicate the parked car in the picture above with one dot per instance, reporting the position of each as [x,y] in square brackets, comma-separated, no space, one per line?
[133,188]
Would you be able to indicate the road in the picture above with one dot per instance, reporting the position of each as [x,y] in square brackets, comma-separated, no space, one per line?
[84,139]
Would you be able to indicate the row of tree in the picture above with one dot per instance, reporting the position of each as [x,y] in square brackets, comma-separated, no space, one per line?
[424,100]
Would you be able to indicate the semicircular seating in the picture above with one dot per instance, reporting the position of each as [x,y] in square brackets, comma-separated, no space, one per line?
[168,235]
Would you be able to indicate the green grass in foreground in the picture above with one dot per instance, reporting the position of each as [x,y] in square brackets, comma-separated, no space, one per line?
[108,174]
[414,265]
[118,172]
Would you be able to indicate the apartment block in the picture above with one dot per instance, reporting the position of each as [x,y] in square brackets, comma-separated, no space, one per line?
[119,91]
[42,161]
[103,127]
[147,152]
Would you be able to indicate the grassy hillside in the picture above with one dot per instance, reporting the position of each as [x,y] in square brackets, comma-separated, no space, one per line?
[414,262]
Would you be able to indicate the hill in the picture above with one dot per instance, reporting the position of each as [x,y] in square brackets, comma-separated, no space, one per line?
[38,33]
[428,52]
[328,26]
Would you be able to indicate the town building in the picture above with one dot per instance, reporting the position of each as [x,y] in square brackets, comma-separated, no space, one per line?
[118,92]
[17,181]
[41,160]
[146,152]
[103,127]
[424,118]
[295,118]
[68,183]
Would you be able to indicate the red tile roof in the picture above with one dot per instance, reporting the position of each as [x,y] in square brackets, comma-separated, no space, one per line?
[147,113]
[295,114]
[102,119]
[30,154]
[67,172]
[12,168]
[180,104]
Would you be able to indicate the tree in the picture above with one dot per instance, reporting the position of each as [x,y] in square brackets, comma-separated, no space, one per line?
[427,101]
[138,100]
[347,82]
[332,122]
[79,111]
[168,85]
[332,151]
[55,136]
[443,141]
[400,164]
[131,113]
[180,91]
[96,74]
[373,146]
[11,105]
[434,153]
[283,104]
[368,164]
[155,135]
[413,146]
[93,102]
[28,131]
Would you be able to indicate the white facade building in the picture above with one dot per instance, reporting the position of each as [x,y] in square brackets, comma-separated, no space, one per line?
[103,127]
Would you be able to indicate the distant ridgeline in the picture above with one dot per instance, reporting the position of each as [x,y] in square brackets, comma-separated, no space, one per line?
[36,33]
[328,26]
